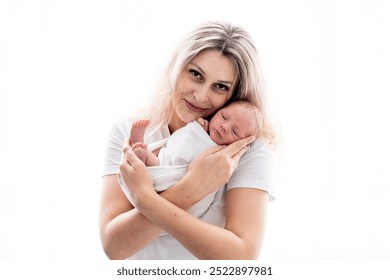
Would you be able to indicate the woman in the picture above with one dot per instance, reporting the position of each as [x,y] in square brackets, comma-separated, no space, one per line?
[215,64]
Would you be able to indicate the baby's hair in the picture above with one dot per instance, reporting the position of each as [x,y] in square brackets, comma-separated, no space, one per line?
[255,114]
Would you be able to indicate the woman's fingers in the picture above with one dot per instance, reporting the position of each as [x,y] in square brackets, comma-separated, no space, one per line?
[126,145]
[236,157]
[128,157]
[133,160]
[213,150]
[234,151]
[239,147]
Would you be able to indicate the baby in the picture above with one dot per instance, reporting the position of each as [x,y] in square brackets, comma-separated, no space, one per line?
[170,163]
[237,120]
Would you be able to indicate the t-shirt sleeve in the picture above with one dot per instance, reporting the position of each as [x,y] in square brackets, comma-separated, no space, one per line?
[254,169]
[113,150]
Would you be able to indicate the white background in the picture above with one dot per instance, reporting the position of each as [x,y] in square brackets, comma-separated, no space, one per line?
[69,69]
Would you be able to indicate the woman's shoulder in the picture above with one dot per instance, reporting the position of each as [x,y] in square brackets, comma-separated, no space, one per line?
[122,124]
[254,169]
[259,148]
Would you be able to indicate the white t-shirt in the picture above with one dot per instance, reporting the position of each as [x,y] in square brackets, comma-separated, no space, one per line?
[253,171]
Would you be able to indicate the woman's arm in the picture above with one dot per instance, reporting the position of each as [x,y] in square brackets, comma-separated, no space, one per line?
[245,210]
[241,238]
[123,229]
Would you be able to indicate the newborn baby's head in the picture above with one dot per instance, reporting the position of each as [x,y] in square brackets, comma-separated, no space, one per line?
[235,121]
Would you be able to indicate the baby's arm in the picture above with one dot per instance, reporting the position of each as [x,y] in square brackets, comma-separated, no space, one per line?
[141,151]
[203,123]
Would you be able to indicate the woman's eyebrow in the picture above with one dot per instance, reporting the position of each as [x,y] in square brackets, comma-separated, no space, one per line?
[225,82]
[204,73]
[199,68]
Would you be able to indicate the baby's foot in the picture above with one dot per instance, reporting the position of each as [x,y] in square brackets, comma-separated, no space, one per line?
[140,150]
[137,132]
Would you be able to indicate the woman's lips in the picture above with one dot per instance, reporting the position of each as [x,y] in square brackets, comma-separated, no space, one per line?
[195,108]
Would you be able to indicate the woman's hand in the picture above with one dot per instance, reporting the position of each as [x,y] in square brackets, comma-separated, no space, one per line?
[133,176]
[213,168]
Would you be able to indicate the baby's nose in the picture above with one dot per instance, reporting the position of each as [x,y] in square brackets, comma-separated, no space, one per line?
[225,127]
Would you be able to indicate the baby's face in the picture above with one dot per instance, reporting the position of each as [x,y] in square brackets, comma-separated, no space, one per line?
[230,124]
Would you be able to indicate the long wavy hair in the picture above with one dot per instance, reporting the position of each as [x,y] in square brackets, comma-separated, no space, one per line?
[233,42]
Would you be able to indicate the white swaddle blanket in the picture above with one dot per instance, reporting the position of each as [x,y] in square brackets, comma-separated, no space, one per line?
[181,148]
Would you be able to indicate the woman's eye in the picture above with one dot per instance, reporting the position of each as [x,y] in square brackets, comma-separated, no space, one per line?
[195,74]
[222,87]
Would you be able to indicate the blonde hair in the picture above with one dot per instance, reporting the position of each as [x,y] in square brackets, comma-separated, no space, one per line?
[233,42]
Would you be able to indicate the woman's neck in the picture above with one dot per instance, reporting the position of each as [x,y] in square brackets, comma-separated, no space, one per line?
[174,124]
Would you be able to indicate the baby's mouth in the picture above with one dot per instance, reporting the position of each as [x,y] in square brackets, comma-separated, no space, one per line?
[218,133]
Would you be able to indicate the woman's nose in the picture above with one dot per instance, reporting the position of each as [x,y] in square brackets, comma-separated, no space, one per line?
[201,94]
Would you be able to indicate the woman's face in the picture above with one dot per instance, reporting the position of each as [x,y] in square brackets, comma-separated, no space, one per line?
[203,87]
